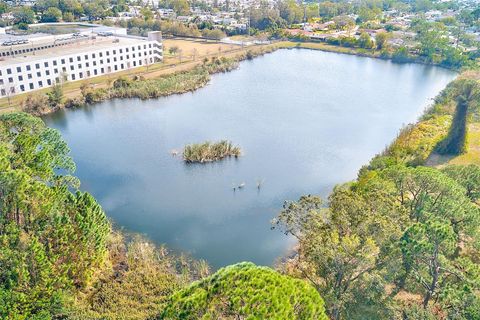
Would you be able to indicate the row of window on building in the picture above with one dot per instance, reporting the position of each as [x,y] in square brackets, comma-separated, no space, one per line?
[86,58]
[10,52]
[71,68]
[65,76]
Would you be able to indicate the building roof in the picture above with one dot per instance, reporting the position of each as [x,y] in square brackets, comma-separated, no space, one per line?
[79,46]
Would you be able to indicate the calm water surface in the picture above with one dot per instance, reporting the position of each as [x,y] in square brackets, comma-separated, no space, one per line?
[306,120]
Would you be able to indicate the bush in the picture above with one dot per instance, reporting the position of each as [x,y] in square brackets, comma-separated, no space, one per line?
[365,41]
[349,42]
[206,152]
[245,291]
[215,34]
[333,41]
[36,104]
[401,55]
[22,26]
[121,82]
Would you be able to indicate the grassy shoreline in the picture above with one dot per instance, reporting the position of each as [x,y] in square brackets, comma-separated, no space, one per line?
[128,86]
[416,144]
[166,78]
[361,52]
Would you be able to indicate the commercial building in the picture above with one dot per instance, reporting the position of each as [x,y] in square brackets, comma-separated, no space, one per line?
[42,61]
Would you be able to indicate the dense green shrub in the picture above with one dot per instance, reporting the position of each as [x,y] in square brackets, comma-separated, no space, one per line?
[245,291]
[349,42]
[121,82]
[51,239]
[401,55]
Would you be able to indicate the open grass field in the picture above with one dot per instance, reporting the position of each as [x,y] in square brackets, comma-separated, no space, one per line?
[191,53]
[472,154]
[473,149]
[189,49]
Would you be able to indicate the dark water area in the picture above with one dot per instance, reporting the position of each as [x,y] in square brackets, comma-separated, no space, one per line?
[305,120]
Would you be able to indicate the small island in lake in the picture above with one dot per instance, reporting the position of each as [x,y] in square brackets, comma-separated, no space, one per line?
[207,151]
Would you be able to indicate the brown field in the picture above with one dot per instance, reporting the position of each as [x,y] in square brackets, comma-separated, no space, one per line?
[195,48]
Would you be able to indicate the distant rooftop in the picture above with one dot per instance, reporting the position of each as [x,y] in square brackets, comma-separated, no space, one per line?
[59,29]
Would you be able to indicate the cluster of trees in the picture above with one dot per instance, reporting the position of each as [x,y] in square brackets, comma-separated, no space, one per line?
[52,238]
[42,104]
[287,12]
[434,43]
[245,291]
[364,41]
[60,258]
[66,10]
[141,26]
[399,242]
[70,10]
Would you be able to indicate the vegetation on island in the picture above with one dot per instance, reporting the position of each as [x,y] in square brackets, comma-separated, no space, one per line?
[399,242]
[208,151]
[245,291]
[60,257]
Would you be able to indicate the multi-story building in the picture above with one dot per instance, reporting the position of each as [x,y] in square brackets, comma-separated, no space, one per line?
[44,61]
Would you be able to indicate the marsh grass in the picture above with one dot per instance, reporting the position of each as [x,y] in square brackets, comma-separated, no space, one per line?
[169,84]
[176,83]
[207,151]
[179,82]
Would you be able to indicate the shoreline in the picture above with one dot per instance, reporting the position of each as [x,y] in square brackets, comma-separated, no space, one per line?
[100,89]
[186,77]
[321,46]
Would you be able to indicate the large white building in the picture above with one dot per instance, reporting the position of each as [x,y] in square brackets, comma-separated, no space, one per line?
[47,60]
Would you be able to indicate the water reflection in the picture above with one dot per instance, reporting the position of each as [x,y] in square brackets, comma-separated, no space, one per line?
[306,120]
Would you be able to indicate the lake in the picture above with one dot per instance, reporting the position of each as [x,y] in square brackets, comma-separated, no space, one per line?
[306,120]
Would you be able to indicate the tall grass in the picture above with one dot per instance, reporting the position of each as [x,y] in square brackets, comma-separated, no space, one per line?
[171,84]
[207,151]
[175,83]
